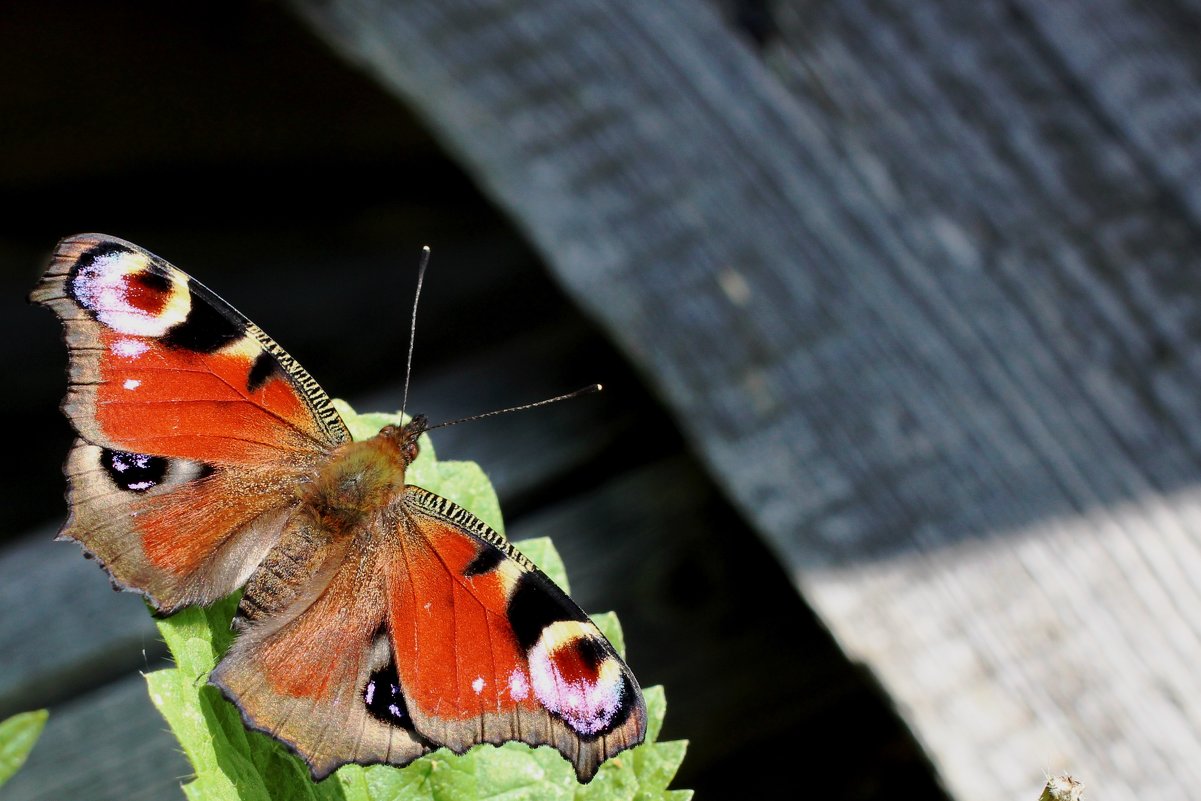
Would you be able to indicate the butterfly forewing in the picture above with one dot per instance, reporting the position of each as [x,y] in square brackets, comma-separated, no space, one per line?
[159,363]
[490,649]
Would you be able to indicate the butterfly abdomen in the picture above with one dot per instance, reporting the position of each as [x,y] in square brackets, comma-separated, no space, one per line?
[303,549]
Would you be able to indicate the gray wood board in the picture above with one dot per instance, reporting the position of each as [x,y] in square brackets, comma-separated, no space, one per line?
[109,744]
[919,281]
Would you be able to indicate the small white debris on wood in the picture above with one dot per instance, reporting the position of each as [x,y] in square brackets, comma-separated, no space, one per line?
[1062,788]
[734,285]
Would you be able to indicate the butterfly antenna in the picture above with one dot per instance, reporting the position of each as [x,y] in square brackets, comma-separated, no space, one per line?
[581,391]
[425,260]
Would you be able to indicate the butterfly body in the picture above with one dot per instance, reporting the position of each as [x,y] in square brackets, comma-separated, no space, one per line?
[363,478]
[378,620]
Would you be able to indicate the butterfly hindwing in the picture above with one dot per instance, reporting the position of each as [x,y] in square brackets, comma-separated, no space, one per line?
[489,649]
[194,426]
[176,530]
[313,665]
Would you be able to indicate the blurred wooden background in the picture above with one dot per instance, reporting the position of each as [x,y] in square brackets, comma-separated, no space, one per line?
[232,142]
[916,282]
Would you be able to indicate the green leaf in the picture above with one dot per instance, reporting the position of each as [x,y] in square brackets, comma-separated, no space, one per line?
[231,762]
[608,625]
[18,735]
[462,482]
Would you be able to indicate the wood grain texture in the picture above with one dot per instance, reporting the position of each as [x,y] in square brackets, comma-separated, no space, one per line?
[919,280]
[107,745]
[106,635]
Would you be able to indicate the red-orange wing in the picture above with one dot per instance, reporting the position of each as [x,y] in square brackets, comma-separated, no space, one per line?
[313,665]
[194,426]
[488,649]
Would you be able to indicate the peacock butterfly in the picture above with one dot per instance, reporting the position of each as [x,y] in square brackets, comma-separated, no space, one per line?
[379,620]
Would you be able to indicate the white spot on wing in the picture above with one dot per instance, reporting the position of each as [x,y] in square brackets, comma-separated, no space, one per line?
[478,685]
[132,383]
[587,706]
[519,688]
[129,348]
[102,287]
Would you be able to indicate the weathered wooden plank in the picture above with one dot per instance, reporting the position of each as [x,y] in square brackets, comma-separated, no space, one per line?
[918,304]
[64,630]
[1137,64]
[108,744]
